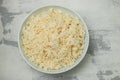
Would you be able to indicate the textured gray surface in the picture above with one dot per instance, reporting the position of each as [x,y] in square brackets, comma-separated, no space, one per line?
[102,61]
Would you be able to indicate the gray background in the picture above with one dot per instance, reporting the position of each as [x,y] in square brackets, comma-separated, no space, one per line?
[102,61]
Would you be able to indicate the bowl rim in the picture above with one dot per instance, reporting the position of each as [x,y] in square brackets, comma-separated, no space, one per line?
[86,42]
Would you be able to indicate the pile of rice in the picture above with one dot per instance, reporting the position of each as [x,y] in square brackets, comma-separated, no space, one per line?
[53,39]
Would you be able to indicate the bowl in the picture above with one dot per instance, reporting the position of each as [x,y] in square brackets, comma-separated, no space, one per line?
[86,42]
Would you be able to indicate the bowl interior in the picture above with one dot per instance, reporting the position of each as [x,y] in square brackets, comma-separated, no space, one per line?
[63,69]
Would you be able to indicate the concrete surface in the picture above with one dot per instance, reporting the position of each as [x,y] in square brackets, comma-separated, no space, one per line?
[102,61]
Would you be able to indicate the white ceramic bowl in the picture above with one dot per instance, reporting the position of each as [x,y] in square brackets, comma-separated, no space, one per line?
[63,69]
